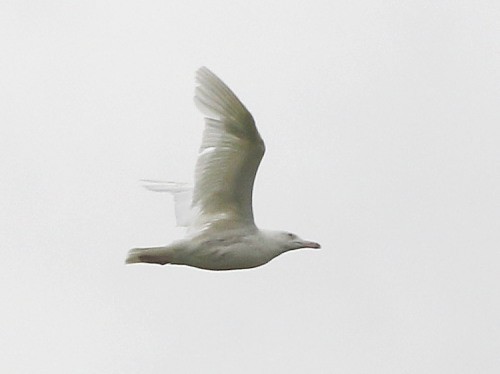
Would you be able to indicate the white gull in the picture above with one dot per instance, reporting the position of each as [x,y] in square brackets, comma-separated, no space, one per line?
[218,211]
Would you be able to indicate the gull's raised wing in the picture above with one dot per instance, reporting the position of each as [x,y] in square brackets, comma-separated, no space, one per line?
[183,196]
[230,153]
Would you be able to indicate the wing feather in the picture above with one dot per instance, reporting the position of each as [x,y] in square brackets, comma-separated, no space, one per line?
[229,156]
[183,197]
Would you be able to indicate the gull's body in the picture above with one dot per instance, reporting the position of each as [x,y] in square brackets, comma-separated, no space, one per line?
[218,212]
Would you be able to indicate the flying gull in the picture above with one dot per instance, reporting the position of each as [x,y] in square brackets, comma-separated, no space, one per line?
[218,211]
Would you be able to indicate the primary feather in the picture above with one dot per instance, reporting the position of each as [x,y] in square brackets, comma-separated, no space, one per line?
[230,153]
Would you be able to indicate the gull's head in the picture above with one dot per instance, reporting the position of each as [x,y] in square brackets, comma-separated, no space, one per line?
[288,241]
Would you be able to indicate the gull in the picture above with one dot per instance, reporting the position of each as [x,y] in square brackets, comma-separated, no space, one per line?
[218,213]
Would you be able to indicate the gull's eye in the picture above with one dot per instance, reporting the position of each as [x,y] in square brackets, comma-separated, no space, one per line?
[291,236]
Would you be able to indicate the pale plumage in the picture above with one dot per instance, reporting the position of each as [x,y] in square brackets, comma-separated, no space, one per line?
[218,211]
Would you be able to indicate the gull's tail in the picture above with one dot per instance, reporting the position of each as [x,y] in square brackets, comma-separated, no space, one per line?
[153,255]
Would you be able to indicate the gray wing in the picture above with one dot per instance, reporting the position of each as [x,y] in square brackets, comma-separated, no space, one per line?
[229,156]
[183,197]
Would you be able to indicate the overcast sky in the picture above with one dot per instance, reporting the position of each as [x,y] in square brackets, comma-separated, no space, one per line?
[381,120]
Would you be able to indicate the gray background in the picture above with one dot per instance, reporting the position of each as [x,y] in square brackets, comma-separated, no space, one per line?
[381,120]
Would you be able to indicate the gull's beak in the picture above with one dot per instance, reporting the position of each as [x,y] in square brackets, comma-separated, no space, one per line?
[306,244]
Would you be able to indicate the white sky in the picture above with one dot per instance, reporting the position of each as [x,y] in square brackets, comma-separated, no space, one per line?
[381,120]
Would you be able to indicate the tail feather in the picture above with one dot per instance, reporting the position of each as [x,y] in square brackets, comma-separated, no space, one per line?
[153,255]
